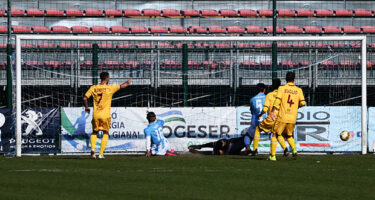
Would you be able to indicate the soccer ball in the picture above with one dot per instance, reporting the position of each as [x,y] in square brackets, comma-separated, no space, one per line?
[344,135]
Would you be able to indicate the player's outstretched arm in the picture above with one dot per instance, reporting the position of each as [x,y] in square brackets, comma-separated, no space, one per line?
[87,109]
[126,84]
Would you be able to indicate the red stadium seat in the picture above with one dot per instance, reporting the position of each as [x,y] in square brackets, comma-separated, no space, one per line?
[2,12]
[28,45]
[165,46]
[243,45]
[138,29]
[145,65]
[293,29]
[327,63]
[93,12]
[323,12]
[41,29]
[351,29]
[262,46]
[282,45]
[85,45]
[331,29]
[52,64]
[119,29]
[112,64]
[170,64]
[228,12]
[66,65]
[5,45]
[46,45]
[80,29]
[197,29]
[368,29]
[65,45]
[312,29]
[21,29]
[34,12]
[189,12]
[247,12]
[286,12]
[362,12]
[319,45]
[343,12]
[158,29]
[112,12]
[222,45]
[254,29]
[347,63]
[209,64]
[131,64]
[105,45]
[73,12]
[216,29]
[151,12]
[60,29]
[370,64]
[300,45]
[304,63]
[265,12]
[177,29]
[3,29]
[203,45]
[144,45]
[288,64]
[86,65]
[170,12]
[337,45]
[304,12]
[131,12]
[249,64]
[125,46]
[209,12]
[99,29]
[269,29]
[17,12]
[54,12]
[192,64]
[224,64]
[266,63]
[235,29]
[31,64]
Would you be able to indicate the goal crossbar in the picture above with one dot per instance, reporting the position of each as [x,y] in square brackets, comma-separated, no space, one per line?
[19,38]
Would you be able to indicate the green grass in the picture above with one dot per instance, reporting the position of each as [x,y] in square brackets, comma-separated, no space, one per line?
[188,177]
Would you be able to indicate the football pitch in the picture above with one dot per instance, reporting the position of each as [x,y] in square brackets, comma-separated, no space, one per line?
[188,177]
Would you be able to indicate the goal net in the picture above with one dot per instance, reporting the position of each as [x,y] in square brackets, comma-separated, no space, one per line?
[53,73]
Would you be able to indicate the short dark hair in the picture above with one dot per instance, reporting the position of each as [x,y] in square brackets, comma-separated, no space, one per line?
[290,76]
[151,116]
[104,75]
[276,83]
[261,87]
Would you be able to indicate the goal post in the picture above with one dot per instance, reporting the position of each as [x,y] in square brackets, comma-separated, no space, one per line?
[232,70]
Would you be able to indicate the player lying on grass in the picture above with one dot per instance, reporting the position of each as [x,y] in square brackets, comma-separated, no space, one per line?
[101,117]
[156,143]
[288,99]
[232,146]
[267,124]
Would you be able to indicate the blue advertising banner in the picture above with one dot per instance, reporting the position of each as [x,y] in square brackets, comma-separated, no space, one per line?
[40,130]
[317,129]
[371,129]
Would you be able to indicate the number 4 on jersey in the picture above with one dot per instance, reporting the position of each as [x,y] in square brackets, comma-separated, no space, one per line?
[290,101]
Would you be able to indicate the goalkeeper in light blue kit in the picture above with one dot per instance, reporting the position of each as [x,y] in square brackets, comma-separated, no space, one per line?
[256,106]
[156,143]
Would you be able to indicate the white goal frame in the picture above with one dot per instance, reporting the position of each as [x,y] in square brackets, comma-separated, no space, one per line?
[19,38]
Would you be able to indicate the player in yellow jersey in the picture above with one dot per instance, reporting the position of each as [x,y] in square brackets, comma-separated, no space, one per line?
[289,98]
[101,118]
[267,124]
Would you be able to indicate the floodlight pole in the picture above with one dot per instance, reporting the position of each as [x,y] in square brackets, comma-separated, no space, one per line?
[9,60]
[274,43]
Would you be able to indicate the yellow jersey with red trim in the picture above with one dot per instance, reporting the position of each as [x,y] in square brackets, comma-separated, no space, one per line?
[102,98]
[268,103]
[291,97]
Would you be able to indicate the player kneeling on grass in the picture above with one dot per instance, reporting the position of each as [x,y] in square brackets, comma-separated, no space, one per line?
[232,146]
[267,124]
[156,143]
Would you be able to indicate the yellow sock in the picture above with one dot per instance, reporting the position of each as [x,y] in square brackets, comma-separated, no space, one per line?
[256,138]
[281,141]
[93,141]
[291,142]
[104,143]
[273,145]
